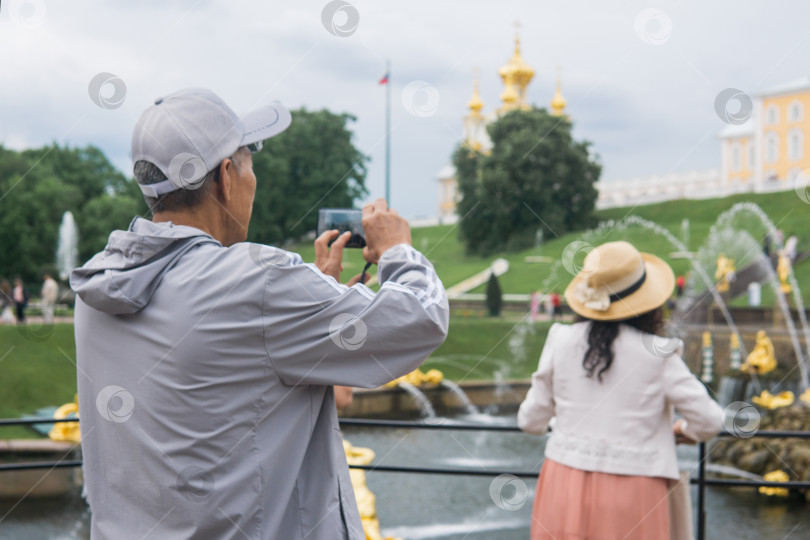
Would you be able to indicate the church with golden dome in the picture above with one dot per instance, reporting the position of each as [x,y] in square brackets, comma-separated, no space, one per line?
[516,75]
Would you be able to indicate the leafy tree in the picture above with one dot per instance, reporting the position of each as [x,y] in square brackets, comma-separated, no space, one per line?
[494,296]
[100,216]
[37,186]
[28,226]
[88,169]
[536,176]
[312,165]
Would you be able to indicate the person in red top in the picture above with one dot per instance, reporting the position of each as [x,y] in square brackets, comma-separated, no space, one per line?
[555,305]
[680,284]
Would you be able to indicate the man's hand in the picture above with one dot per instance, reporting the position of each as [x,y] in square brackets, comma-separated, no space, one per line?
[343,396]
[330,261]
[384,229]
[356,279]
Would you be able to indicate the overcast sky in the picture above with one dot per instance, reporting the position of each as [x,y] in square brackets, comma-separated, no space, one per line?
[643,94]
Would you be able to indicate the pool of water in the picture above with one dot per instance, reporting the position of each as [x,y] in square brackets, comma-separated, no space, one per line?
[444,507]
[433,507]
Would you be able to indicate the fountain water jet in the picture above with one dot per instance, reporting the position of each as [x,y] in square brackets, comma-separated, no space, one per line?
[67,251]
[677,244]
[427,409]
[459,393]
[725,219]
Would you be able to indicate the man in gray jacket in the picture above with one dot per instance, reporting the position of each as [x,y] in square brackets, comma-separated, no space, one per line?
[206,363]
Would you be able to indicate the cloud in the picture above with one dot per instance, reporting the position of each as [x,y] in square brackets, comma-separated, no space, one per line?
[646,108]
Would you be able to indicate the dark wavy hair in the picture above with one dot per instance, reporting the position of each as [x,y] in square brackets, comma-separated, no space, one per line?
[601,334]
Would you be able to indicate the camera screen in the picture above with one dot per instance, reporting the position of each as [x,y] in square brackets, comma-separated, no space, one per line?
[343,219]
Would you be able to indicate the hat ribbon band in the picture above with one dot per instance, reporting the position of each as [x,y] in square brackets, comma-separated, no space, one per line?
[631,289]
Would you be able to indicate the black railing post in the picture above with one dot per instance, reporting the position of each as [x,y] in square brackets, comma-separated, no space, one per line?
[701,509]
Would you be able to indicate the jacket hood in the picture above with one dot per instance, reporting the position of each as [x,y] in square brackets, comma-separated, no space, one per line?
[121,279]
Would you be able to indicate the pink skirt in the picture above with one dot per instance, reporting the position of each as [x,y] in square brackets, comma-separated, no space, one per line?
[583,505]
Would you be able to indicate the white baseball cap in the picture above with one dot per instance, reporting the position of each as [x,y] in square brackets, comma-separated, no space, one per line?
[188,133]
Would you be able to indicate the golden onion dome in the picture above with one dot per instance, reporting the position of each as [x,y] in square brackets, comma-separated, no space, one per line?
[475,104]
[516,68]
[509,95]
[558,102]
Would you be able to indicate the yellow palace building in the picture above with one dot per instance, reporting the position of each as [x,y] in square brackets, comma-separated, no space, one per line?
[516,75]
[772,147]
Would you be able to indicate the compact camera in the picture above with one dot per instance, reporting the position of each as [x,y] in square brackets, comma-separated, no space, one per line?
[343,219]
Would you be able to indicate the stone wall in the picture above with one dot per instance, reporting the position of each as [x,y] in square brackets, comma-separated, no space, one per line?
[388,403]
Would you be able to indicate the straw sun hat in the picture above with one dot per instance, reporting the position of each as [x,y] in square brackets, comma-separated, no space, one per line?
[619,282]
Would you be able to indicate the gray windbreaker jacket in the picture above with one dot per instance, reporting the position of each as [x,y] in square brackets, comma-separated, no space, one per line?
[205,376]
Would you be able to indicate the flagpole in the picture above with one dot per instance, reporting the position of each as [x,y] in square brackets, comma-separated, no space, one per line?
[388,133]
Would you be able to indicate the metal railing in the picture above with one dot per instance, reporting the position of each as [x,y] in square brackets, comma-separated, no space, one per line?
[440,424]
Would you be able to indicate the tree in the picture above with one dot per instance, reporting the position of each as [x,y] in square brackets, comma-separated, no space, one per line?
[100,216]
[536,177]
[312,165]
[494,296]
[37,186]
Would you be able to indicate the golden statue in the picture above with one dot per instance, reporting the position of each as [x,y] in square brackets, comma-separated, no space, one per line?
[366,501]
[775,476]
[66,431]
[417,378]
[707,339]
[762,359]
[724,273]
[734,351]
[766,400]
[783,270]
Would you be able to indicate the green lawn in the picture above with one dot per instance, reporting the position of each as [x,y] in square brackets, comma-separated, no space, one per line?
[489,348]
[35,374]
[785,209]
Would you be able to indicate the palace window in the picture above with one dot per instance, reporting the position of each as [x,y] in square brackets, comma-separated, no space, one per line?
[736,160]
[771,148]
[749,154]
[795,112]
[772,115]
[795,144]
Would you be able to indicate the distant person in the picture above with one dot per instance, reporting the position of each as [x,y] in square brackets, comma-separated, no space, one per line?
[548,305]
[556,303]
[209,409]
[611,384]
[50,293]
[20,295]
[766,245]
[6,301]
[534,305]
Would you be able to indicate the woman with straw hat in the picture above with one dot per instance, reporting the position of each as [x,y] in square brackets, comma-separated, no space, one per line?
[610,384]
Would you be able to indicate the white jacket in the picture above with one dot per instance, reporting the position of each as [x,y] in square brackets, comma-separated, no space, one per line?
[624,424]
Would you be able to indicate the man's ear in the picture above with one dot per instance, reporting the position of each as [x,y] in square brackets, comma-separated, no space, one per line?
[227,176]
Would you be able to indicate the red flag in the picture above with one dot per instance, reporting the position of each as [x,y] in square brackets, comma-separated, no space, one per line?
[384,79]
